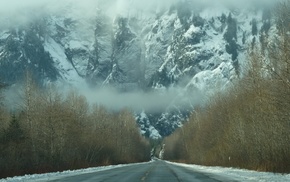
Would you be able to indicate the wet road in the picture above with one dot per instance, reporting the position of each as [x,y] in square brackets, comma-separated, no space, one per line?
[156,171]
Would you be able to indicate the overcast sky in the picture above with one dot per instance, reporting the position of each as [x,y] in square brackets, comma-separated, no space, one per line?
[27,7]
[7,5]
[19,11]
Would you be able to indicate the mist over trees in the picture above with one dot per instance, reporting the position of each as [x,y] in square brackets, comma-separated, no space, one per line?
[247,126]
[51,131]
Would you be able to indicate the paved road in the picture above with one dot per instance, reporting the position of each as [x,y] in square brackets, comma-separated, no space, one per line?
[157,171]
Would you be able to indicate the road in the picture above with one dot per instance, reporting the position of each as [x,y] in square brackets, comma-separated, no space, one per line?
[156,171]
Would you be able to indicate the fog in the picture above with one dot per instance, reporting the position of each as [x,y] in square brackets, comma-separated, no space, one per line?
[15,12]
[154,101]
[111,98]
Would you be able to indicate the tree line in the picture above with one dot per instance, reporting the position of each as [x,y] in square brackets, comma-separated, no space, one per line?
[50,131]
[248,125]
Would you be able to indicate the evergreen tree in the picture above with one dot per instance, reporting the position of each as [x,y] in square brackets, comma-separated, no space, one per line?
[14,132]
[254,27]
[231,37]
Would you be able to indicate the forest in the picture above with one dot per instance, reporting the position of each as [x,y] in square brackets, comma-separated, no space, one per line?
[51,131]
[246,126]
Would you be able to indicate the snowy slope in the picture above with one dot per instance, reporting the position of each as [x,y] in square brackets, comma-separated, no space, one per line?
[66,69]
[194,50]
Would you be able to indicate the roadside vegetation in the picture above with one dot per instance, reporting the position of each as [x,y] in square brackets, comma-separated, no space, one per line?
[50,131]
[248,126]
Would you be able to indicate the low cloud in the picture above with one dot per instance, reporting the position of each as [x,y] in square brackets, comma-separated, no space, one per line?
[15,12]
[154,101]
[151,101]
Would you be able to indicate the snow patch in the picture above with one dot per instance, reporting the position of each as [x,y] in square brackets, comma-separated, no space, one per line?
[154,134]
[192,30]
[76,44]
[211,81]
[65,68]
[4,35]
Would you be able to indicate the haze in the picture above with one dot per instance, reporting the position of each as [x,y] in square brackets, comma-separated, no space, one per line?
[13,12]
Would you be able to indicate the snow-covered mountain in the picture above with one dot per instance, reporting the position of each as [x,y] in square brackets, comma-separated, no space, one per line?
[191,49]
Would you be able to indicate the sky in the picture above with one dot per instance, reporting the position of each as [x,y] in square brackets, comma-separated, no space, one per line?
[8,5]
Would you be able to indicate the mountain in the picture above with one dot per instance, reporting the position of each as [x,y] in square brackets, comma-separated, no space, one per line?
[186,49]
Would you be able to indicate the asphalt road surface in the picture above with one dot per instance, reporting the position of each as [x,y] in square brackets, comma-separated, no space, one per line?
[157,171]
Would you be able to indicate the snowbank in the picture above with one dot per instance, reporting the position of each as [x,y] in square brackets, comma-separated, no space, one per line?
[238,174]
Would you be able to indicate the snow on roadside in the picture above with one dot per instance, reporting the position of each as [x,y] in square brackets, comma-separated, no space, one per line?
[238,174]
[59,175]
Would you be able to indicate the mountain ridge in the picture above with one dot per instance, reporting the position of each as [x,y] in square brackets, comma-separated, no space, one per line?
[194,51]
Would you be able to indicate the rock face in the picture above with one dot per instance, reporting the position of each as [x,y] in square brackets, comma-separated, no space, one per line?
[194,50]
